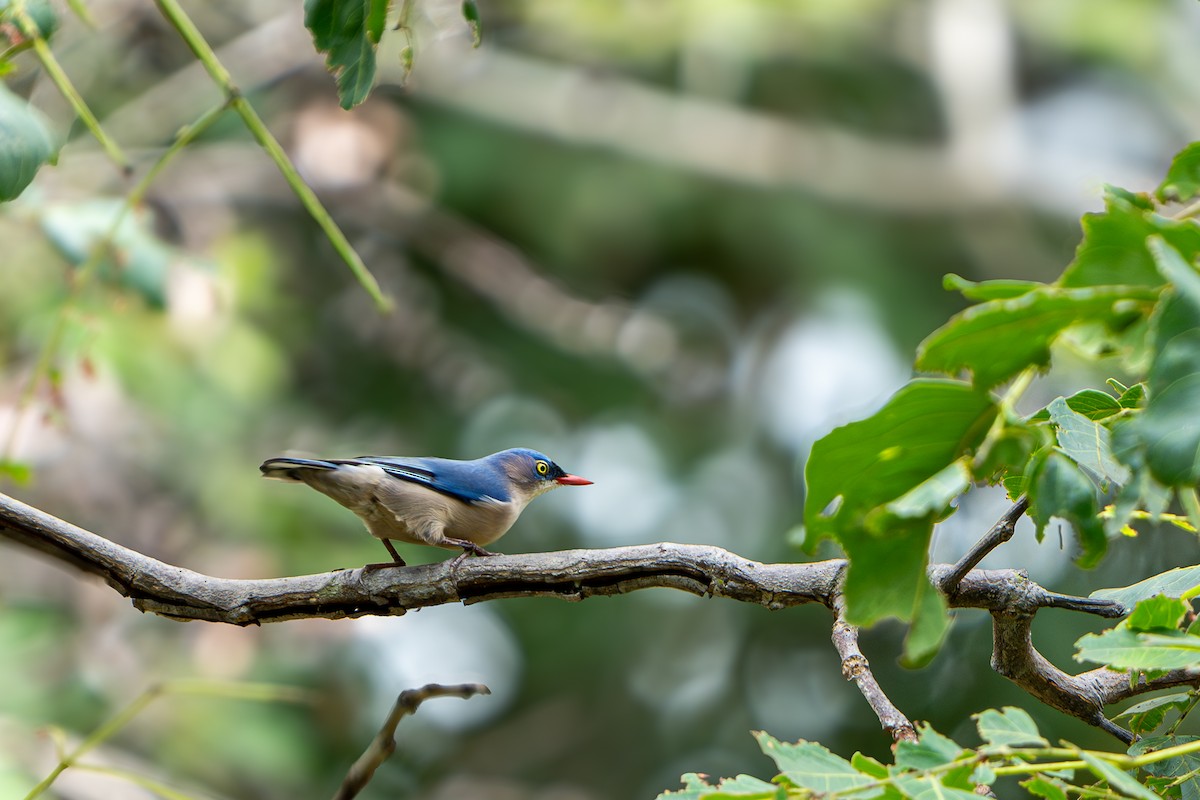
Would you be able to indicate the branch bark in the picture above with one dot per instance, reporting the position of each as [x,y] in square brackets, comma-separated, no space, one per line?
[575,575]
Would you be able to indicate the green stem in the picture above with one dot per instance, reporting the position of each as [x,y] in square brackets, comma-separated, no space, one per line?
[85,271]
[204,52]
[1187,211]
[56,74]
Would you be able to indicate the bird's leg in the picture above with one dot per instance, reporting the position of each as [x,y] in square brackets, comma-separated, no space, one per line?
[469,548]
[396,561]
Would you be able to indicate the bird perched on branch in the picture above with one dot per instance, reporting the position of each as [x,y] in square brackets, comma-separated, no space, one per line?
[434,501]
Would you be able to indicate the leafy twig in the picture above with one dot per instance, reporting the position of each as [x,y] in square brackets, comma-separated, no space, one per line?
[187,29]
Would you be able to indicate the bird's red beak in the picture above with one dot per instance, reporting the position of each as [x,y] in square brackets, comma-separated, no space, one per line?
[572,480]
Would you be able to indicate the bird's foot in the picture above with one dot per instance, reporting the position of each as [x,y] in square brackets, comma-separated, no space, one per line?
[469,549]
[384,565]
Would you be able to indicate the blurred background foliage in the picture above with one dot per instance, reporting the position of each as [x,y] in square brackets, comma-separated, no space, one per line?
[669,243]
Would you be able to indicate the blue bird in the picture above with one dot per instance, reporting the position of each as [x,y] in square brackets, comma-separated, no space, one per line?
[433,501]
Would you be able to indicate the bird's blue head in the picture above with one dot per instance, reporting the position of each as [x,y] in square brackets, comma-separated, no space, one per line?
[533,472]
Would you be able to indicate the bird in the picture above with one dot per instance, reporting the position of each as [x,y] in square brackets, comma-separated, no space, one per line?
[433,501]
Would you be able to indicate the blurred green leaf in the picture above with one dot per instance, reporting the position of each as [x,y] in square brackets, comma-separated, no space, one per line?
[987,290]
[1008,727]
[930,788]
[1049,788]
[1172,583]
[470,12]
[743,787]
[1091,403]
[376,19]
[811,766]
[1118,780]
[18,472]
[1133,397]
[929,498]
[41,12]
[999,338]
[340,31]
[1087,443]
[930,623]
[1114,252]
[1172,768]
[1158,613]
[25,144]
[1058,488]
[1183,178]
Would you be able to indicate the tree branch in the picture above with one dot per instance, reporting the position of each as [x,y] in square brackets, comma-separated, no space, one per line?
[575,575]
[384,743]
[1000,533]
[856,668]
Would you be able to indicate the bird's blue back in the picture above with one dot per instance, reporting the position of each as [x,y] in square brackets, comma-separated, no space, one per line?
[470,481]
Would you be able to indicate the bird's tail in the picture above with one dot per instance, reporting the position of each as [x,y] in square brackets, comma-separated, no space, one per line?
[285,468]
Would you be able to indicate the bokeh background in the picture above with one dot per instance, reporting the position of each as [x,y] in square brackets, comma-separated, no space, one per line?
[669,243]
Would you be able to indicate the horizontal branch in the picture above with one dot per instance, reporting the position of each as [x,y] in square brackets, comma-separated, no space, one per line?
[575,575]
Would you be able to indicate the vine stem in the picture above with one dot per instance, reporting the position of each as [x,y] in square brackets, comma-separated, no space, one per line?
[308,198]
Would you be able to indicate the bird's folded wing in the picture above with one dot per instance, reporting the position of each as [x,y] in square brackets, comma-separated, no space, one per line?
[448,478]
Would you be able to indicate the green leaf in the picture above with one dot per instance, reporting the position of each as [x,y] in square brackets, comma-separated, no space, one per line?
[930,788]
[1183,178]
[1113,250]
[41,12]
[1049,788]
[857,469]
[1149,714]
[377,19]
[987,290]
[470,12]
[25,144]
[1091,403]
[1117,780]
[1014,486]
[1158,613]
[340,31]
[1122,648]
[930,498]
[929,627]
[811,766]
[869,766]
[1086,443]
[743,787]
[929,751]
[1008,727]
[997,339]
[1172,583]
[18,472]
[1058,488]
[1172,768]
[1133,397]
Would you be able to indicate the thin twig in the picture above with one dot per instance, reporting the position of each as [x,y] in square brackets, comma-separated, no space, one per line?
[1000,533]
[856,668]
[384,743]
[308,198]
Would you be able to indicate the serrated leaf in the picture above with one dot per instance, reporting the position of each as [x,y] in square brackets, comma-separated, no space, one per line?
[811,766]
[1172,583]
[1158,613]
[931,750]
[1087,443]
[1057,488]
[1122,648]
[930,788]
[987,290]
[997,339]
[1049,788]
[1183,178]
[1014,486]
[1113,250]
[1008,727]
[25,144]
[340,30]
[1173,768]
[1117,779]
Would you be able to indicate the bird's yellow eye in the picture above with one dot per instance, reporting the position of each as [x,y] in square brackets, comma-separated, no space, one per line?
[542,467]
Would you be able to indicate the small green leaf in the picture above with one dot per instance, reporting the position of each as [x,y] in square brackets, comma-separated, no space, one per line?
[1014,486]
[25,144]
[1057,488]
[470,12]
[1183,178]
[930,788]
[1049,788]
[1149,714]
[1133,397]
[1172,583]
[18,472]
[1122,648]
[931,750]
[1091,403]
[1008,727]
[869,766]
[1117,779]
[997,339]
[1086,443]
[987,290]
[1159,613]
[811,766]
